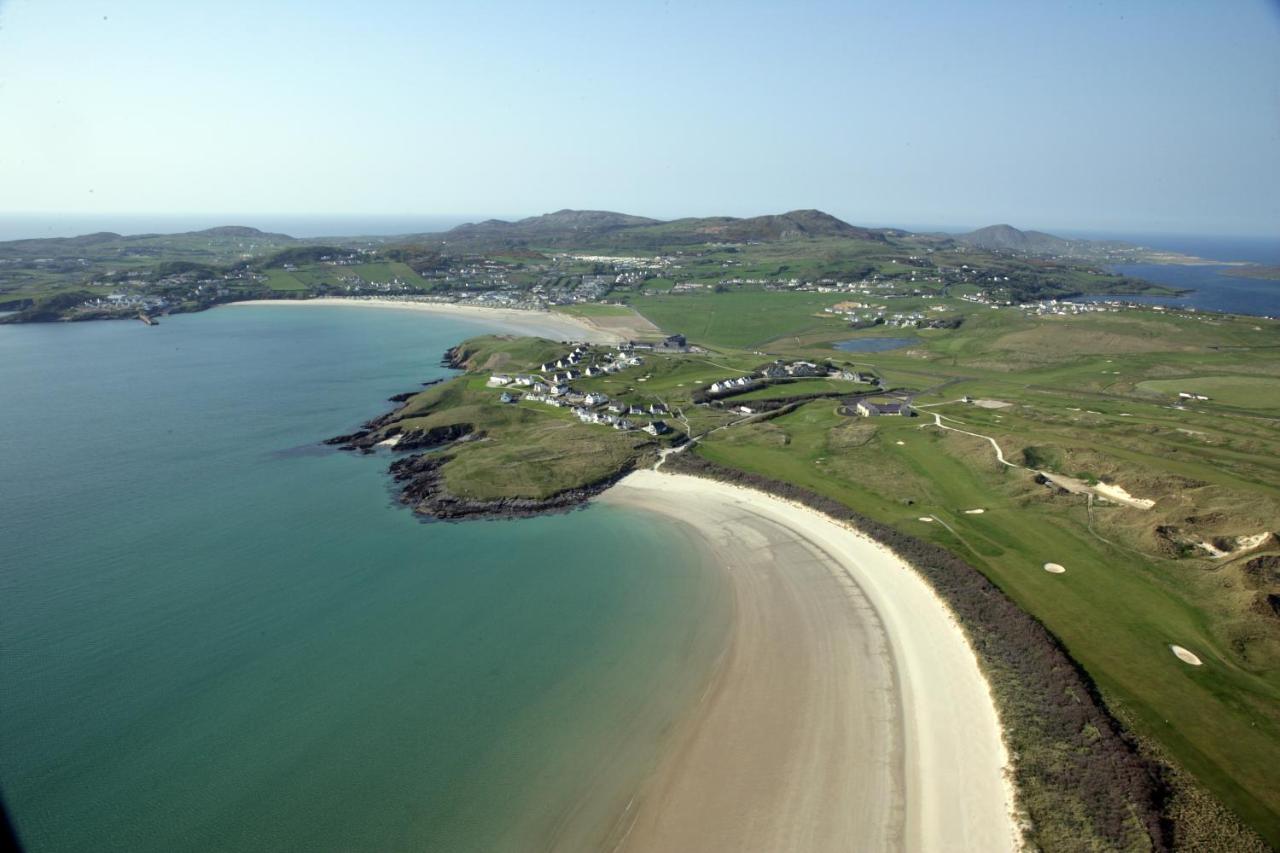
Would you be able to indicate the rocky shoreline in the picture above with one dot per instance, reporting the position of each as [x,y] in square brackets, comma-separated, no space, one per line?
[419,476]
[423,490]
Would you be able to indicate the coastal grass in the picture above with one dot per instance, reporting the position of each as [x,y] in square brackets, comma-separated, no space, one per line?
[1116,611]
[1081,408]
[593,309]
[1082,782]
[740,319]
[1246,392]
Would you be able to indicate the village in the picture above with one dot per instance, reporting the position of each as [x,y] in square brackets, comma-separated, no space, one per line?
[550,386]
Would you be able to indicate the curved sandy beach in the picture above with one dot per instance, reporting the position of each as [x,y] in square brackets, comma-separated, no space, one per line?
[545,324]
[848,712]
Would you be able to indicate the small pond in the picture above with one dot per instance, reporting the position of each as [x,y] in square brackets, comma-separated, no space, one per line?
[875,344]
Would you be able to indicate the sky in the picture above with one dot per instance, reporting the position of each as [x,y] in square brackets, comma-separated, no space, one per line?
[1139,116]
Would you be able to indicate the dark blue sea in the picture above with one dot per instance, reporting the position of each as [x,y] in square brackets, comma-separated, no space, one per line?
[1213,288]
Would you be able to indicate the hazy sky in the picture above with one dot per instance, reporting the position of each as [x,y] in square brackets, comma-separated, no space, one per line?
[1147,116]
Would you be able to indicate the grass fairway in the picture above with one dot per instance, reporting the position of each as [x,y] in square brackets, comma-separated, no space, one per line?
[1116,611]
[1245,392]
[1085,398]
[743,319]
[284,281]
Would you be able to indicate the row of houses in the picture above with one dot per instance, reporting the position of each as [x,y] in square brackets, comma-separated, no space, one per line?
[868,409]
[788,370]
[577,354]
[618,422]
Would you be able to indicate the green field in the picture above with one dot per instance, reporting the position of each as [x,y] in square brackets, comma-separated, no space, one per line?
[1245,392]
[1079,389]
[1075,395]
[742,319]
[595,310]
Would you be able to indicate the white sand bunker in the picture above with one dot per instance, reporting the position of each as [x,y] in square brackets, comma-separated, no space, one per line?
[978,511]
[901,442]
[1118,494]
[1184,655]
[1054,568]
[991,404]
[926,519]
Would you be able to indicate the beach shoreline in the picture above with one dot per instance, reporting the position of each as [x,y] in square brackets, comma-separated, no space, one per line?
[546,324]
[849,710]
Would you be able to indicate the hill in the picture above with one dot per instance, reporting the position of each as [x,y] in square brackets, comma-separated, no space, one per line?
[606,229]
[1009,239]
[1006,238]
[550,225]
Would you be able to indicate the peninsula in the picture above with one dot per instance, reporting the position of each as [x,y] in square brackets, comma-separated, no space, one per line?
[1086,487]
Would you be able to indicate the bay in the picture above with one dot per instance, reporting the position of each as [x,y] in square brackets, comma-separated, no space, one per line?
[219,635]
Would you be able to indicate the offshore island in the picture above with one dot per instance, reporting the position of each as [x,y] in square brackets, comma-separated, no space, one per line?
[1000,538]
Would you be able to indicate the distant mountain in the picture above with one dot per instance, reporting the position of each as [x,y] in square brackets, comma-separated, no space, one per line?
[784,226]
[556,224]
[584,228]
[104,239]
[239,231]
[1006,238]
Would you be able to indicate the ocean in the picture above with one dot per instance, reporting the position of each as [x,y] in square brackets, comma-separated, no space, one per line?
[1213,288]
[218,635]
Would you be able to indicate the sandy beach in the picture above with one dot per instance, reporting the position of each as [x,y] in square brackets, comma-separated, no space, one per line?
[545,324]
[848,711]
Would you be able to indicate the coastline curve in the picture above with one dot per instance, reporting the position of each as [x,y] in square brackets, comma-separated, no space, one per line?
[850,709]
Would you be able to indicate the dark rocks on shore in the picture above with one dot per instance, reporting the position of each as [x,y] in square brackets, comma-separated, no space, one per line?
[455,358]
[424,490]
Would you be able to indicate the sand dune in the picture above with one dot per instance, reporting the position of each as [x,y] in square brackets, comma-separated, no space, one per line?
[848,713]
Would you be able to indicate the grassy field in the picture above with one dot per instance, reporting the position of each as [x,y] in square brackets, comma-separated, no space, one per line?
[1087,397]
[1245,392]
[591,309]
[742,319]
[1080,391]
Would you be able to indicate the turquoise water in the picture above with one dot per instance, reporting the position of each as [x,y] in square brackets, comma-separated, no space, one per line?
[218,636]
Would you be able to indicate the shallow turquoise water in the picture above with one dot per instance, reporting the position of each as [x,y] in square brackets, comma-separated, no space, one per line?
[219,636]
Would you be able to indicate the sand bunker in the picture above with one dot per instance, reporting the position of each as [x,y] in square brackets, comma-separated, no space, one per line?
[1184,655]
[1118,494]
[1248,543]
[978,511]
[991,404]
[926,519]
[1054,568]
[899,442]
